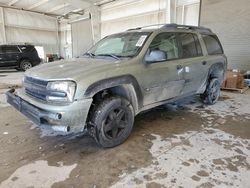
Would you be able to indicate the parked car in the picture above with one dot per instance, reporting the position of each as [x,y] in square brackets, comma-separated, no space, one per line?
[121,76]
[20,57]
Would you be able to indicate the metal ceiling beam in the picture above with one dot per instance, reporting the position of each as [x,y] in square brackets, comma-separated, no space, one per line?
[58,7]
[12,2]
[17,8]
[37,4]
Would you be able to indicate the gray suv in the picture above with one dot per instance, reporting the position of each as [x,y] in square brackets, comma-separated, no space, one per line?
[121,76]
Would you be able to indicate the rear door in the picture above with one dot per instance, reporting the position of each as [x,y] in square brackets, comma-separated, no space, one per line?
[2,62]
[193,63]
[12,54]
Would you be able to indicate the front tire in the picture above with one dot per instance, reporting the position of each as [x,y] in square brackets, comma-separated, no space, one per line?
[25,65]
[212,93]
[112,121]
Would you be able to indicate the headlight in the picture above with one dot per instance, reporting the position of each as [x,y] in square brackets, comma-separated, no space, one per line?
[61,91]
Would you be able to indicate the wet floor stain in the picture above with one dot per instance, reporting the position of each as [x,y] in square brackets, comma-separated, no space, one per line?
[38,174]
[198,163]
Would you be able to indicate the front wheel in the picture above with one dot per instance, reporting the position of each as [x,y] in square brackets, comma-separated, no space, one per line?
[113,121]
[212,93]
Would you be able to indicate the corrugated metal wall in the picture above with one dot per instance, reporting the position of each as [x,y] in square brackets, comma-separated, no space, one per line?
[25,27]
[230,19]
[120,17]
[82,37]
[117,17]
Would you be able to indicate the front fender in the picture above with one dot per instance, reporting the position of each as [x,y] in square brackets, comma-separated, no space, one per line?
[113,82]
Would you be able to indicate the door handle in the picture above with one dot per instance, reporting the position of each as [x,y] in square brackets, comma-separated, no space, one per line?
[204,62]
[179,67]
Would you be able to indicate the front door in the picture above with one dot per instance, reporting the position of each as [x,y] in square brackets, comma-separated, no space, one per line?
[162,77]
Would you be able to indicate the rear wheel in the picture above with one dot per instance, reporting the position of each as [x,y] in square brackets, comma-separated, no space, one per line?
[212,93]
[112,121]
[25,65]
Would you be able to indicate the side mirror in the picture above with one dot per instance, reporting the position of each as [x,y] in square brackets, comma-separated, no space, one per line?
[155,56]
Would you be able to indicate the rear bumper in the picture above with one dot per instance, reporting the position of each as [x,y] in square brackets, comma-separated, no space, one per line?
[71,118]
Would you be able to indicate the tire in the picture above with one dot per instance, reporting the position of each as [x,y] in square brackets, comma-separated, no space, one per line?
[212,93]
[25,65]
[112,121]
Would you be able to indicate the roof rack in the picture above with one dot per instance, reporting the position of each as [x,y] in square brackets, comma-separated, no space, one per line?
[155,25]
[196,28]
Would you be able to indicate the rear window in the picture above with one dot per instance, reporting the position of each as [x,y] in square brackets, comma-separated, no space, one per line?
[27,48]
[213,45]
[190,45]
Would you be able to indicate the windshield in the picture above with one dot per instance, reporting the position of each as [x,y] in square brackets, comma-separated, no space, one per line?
[119,45]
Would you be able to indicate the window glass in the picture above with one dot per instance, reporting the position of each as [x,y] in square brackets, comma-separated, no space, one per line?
[165,45]
[10,49]
[213,45]
[1,51]
[113,46]
[27,48]
[189,45]
[121,45]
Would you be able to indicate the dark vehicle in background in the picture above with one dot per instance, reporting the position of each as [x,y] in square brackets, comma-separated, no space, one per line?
[20,57]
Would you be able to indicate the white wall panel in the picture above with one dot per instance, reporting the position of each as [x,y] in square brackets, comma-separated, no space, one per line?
[82,37]
[120,25]
[230,20]
[117,17]
[29,19]
[2,27]
[191,14]
[27,27]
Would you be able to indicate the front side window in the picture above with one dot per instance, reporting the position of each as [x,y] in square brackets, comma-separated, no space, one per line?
[190,45]
[120,45]
[163,47]
[213,45]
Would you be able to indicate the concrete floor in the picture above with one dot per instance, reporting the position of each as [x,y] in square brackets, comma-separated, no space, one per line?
[180,145]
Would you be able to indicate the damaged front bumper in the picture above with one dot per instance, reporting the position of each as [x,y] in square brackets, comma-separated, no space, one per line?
[68,118]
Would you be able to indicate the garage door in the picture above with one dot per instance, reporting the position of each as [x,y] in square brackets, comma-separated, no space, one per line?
[230,20]
[82,37]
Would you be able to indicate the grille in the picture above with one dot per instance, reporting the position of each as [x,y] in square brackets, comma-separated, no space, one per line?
[35,87]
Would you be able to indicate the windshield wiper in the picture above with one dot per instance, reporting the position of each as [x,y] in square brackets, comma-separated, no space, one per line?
[89,54]
[109,55]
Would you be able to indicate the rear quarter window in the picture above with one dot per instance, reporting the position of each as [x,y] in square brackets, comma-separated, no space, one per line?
[213,44]
[27,48]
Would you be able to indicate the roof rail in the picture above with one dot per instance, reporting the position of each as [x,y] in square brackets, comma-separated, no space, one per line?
[155,25]
[196,28]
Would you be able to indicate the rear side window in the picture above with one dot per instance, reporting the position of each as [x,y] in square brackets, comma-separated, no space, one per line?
[213,45]
[10,49]
[190,45]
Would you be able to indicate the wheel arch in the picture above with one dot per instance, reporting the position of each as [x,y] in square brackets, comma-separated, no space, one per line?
[22,59]
[125,86]
[217,70]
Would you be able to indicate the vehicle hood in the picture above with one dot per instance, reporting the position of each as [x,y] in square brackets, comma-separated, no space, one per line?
[71,69]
